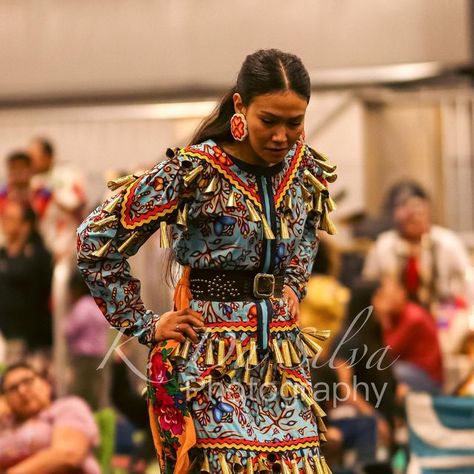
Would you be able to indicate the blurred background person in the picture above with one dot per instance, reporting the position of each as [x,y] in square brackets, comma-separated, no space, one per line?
[412,336]
[86,332]
[67,202]
[25,279]
[42,435]
[430,261]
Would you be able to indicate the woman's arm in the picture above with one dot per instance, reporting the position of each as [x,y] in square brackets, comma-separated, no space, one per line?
[69,449]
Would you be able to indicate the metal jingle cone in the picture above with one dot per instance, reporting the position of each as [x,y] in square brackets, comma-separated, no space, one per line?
[330,204]
[307,466]
[315,182]
[285,391]
[269,373]
[305,398]
[262,467]
[284,231]
[122,181]
[323,439]
[295,358]
[319,466]
[309,352]
[231,202]
[327,167]
[210,353]
[307,195]
[247,373]
[254,216]
[182,217]
[211,188]
[111,206]
[184,354]
[185,162]
[318,203]
[252,360]
[223,463]
[176,350]
[237,466]
[267,230]
[205,467]
[128,242]
[239,354]
[325,466]
[288,204]
[221,356]
[320,334]
[102,251]
[294,466]
[315,347]
[249,469]
[317,410]
[164,241]
[97,225]
[285,350]
[172,152]
[321,425]
[192,175]
[277,352]
[330,178]
[327,224]
[283,466]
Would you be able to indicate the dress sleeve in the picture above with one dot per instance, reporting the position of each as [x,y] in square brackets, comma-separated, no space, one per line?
[316,170]
[114,232]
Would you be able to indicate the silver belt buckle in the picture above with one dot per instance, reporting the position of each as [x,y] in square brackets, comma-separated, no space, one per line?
[256,285]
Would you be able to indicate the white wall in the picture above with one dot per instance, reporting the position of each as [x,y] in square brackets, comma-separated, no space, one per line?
[73,47]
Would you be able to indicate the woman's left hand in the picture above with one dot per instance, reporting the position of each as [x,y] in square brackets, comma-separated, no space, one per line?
[293,302]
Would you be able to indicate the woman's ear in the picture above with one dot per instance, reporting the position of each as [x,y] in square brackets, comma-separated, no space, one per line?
[238,104]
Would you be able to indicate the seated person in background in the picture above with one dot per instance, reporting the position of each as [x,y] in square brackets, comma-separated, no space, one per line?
[39,435]
[25,279]
[325,303]
[428,260]
[86,332]
[411,333]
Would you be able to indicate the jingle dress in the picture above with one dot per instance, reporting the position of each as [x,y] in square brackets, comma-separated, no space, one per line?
[241,398]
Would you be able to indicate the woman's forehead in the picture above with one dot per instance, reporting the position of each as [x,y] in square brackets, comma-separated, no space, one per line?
[281,103]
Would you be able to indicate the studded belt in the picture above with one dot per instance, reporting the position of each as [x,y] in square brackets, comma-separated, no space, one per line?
[219,285]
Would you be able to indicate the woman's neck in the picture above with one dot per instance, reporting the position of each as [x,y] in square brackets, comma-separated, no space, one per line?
[244,152]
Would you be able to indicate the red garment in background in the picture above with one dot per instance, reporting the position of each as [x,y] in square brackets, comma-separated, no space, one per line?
[412,275]
[414,337]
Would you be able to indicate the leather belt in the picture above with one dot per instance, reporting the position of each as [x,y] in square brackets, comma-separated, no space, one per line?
[220,285]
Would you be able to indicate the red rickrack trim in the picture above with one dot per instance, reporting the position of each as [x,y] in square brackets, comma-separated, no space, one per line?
[142,219]
[290,174]
[258,445]
[226,171]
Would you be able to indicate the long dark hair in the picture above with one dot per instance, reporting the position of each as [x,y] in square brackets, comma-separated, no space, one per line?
[263,72]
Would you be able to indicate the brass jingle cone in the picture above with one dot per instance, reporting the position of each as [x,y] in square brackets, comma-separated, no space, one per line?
[184,354]
[285,392]
[284,467]
[325,466]
[323,439]
[185,163]
[172,152]
[307,466]
[128,242]
[331,178]
[262,467]
[231,202]
[176,350]
[102,251]
[276,352]
[122,181]
[327,167]
[318,186]
[315,347]
[318,203]
[221,353]
[182,217]
[294,466]
[249,466]
[309,352]
[330,204]
[111,206]
[327,224]
[321,425]
[295,358]
[205,467]
[164,241]
[284,231]
[288,204]
[307,195]
[254,216]
[237,466]
[210,353]
[192,175]
[97,225]
[247,373]
[269,373]
[212,186]
[267,230]
[319,466]
[223,463]
[285,350]
[239,354]
[252,359]
[305,398]
[320,334]
[317,410]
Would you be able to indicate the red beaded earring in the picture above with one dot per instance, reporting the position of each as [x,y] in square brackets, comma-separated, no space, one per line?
[239,127]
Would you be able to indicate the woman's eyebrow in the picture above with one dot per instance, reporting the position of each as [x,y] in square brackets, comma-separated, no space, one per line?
[270,114]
